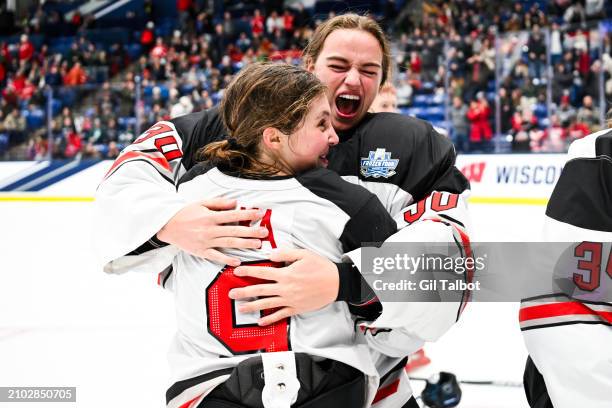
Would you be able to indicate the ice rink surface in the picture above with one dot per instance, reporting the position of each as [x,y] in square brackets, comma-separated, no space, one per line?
[64,323]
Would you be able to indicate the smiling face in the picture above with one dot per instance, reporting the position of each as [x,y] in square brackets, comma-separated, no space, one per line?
[350,64]
[308,145]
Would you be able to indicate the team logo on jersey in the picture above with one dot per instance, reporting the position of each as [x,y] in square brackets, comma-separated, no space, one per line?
[378,164]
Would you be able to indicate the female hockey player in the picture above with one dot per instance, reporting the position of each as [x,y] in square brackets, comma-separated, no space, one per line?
[279,127]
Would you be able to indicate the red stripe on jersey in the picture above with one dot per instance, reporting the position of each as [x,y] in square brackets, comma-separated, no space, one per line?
[385,391]
[131,155]
[188,403]
[467,246]
[561,309]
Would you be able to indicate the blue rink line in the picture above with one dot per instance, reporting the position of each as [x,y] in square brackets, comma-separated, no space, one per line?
[56,171]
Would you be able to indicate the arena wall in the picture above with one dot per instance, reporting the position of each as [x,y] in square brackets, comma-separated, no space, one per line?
[496,179]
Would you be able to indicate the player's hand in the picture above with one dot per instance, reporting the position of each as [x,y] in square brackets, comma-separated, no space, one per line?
[200,227]
[309,283]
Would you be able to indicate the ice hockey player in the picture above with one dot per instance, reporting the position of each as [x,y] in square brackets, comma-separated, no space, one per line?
[567,336]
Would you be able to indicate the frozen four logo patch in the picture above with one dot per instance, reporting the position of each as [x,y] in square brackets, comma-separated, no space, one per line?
[378,164]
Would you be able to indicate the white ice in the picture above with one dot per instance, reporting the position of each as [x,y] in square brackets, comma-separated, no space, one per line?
[63,323]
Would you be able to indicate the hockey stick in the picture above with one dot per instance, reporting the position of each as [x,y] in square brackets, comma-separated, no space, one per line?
[494,383]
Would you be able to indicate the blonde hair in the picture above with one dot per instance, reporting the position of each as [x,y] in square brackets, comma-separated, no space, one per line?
[348,21]
[388,88]
[262,95]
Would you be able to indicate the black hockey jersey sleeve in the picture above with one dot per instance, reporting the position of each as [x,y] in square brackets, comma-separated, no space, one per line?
[410,167]
[138,196]
[369,223]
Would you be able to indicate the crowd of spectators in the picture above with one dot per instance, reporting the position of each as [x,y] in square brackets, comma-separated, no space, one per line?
[448,50]
[529,119]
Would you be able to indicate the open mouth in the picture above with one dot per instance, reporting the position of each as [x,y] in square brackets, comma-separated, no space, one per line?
[348,105]
[323,160]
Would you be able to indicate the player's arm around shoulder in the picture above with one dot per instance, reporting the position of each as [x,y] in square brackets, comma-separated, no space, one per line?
[138,195]
[137,210]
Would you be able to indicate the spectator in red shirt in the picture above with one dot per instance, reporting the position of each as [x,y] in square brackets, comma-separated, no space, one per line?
[415,62]
[27,91]
[26,49]
[577,130]
[147,37]
[183,5]
[75,76]
[73,140]
[288,23]
[478,114]
[160,50]
[257,24]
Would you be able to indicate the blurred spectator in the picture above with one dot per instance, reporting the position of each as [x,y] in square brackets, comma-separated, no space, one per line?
[556,45]
[274,22]
[288,23]
[591,81]
[219,43]
[7,20]
[566,112]
[577,130]
[75,76]
[14,125]
[126,137]
[228,25]
[404,91]
[523,124]
[243,42]
[257,24]
[594,9]
[479,114]
[72,140]
[386,99]
[460,125]
[184,8]
[147,37]
[183,107]
[561,81]
[26,49]
[159,50]
[575,13]
[37,148]
[588,114]
[554,138]
[537,52]
[506,110]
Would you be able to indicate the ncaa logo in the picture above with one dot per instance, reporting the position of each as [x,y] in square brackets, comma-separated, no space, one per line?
[378,164]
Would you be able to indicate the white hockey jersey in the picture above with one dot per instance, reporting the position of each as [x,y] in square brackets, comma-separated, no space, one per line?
[317,211]
[570,339]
